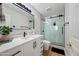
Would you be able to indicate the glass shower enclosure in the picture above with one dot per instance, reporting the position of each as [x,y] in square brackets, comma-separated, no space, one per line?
[54,30]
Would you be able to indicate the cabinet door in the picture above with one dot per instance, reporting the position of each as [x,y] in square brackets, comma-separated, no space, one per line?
[39,47]
[28,49]
[17,51]
[33,48]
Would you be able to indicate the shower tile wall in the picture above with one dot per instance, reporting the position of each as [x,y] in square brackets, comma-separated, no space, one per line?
[54,30]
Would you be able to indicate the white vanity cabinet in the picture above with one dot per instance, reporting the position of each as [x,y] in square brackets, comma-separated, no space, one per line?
[32,47]
[17,51]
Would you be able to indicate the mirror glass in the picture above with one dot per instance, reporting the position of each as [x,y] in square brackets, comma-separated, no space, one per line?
[15,17]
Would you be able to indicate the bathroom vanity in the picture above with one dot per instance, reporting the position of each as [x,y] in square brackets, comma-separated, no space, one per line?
[31,45]
[20,21]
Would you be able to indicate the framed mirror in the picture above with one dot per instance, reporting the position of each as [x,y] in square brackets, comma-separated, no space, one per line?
[16,17]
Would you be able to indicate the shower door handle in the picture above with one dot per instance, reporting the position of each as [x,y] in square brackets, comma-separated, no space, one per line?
[62,30]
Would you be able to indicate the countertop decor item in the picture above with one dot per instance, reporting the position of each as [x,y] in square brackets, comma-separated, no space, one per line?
[4,33]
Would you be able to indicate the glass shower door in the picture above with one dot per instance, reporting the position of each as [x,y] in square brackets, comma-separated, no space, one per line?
[54,30]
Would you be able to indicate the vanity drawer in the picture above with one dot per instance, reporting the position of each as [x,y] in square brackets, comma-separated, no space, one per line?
[17,51]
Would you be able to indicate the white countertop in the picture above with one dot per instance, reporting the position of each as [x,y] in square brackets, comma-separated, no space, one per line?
[17,42]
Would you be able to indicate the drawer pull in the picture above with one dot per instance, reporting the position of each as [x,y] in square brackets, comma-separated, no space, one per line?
[16,53]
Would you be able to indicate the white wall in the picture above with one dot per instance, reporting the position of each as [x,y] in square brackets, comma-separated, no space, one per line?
[71,30]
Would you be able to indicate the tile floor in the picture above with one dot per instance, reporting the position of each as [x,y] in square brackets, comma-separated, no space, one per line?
[50,53]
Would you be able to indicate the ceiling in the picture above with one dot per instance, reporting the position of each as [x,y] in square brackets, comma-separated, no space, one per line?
[47,9]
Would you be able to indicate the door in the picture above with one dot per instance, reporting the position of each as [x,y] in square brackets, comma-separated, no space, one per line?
[72,41]
[66,29]
[54,30]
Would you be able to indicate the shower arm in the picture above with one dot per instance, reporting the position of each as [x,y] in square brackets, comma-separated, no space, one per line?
[57,16]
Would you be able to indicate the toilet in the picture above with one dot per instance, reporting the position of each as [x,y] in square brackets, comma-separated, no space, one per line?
[46,45]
